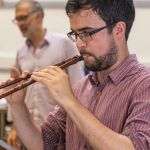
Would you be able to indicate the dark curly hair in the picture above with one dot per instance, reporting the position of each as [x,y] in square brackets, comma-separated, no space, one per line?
[111,11]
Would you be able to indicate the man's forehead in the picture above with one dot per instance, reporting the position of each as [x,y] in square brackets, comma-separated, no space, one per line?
[84,18]
[83,13]
[23,7]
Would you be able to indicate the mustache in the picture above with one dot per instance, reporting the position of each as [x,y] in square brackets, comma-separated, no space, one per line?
[83,52]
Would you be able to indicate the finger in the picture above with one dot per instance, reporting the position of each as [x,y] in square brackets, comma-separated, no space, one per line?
[39,76]
[42,80]
[6,81]
[14,73]
[25,74]
[53,70]
[8,141]
[14,143]
[11,141]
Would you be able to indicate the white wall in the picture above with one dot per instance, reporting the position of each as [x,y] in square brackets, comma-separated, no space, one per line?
[57,21]
[139,41]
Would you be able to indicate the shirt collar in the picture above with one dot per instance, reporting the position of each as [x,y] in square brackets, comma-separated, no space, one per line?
[44,43]
[119,73]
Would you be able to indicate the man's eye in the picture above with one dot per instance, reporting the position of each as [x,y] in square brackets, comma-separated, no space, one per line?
[73,33]
[21,18]
[85,34]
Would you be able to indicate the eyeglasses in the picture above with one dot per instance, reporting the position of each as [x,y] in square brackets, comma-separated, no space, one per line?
[18,19]
[85,36]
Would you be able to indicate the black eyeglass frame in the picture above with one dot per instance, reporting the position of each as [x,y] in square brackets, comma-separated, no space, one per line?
[85,35]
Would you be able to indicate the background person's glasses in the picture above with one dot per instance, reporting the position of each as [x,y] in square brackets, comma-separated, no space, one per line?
[21,18]
[85,36]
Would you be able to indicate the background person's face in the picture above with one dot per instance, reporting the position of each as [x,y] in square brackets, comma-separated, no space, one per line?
[27,23]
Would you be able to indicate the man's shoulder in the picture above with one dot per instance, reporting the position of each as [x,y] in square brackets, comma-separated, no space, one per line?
[146,74]
[142,77]
[144,70]
[55,35]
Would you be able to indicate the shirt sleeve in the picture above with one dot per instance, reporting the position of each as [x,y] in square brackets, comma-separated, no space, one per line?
[137,126]
[53,129]
[9,117]
[17,64]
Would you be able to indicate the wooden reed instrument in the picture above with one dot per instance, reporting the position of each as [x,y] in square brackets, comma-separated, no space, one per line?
[63,64]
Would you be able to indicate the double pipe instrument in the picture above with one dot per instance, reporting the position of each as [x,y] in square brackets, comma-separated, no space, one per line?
[28,81]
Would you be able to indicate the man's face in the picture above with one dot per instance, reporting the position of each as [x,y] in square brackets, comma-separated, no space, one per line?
[100,52]
[26,20]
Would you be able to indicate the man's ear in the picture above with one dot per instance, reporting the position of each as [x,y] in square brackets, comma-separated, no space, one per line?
[119,29]
[39,15]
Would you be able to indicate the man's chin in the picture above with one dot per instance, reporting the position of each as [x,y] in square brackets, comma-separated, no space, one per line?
[24,34]
[89,59]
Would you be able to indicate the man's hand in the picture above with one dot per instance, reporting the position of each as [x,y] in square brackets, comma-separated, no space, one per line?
[12,139]
[16,97]
[57,82]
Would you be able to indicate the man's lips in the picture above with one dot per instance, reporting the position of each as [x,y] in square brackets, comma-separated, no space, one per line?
[23,29]
[85,56]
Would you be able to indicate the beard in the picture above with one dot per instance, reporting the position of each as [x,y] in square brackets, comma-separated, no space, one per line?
[103,62]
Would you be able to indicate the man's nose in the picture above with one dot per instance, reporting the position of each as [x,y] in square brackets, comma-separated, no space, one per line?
[20,22]
[80,44]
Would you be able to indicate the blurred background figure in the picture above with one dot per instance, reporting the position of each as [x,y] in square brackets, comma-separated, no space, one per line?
[1,2]
[40,50]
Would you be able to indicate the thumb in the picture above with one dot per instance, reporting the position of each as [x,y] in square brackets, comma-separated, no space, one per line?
[14,72]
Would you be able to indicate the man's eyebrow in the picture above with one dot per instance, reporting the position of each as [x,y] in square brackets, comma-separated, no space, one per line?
[82,29]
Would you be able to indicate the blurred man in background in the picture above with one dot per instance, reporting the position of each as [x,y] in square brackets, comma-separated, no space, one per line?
[40,49]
